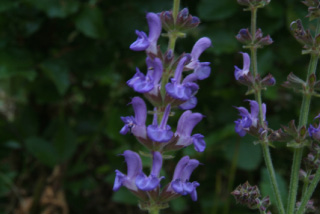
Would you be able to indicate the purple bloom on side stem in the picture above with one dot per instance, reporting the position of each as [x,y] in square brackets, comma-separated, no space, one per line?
[201,69]
[239,73]
[136,124]
[314,132]
[134,167]
[180,181]
[249,119]
[152,181]
[186,123]
[148,43]
[160,133]
[181,91]
[145,83]
[189,104]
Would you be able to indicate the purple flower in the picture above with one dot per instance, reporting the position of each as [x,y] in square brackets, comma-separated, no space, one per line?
[186,123]
[185,90]
[152,181]
[189,104]
[143,84]
[238,73]
[134,167]
[180,181]
[136,124]
[160,133]
[201,69]
[148,43]
[249,119]
[314,132]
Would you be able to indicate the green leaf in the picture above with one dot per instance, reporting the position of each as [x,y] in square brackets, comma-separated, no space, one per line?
[266,188]
[90,23]
[56,8]
[64,142]
[58,72]
[210,10]
[223,41]
[124,196]
[16,64]
[42,150]
[7,5]
[249,155]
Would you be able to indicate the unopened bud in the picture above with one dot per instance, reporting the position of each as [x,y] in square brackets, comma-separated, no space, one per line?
[269,80]
[244,36]
[301,34]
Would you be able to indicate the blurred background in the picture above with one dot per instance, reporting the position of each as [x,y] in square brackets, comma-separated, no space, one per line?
[63,71]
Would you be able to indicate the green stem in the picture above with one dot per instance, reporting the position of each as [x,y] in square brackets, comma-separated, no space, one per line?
[272,177]
[265,146]
[175,9]
[231,176]
[297,155]
[309,192]
[154,211]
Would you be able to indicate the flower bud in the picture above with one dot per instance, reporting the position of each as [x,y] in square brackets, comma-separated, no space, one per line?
[244,36]
[302,36]
[269,80]
[186,21]
[313,8]
[247,195]
[167,20]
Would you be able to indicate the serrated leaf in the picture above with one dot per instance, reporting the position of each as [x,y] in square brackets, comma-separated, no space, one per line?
[90,23]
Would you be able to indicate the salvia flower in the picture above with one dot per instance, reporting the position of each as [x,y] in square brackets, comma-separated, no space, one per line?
[134,167]
[181,90]
[314,132]
[201,69]
[136,124]
[148,183]
[247,119]
[160,133]
[180,181]
[240,73]
[186,123]
[148,43]
[146,83]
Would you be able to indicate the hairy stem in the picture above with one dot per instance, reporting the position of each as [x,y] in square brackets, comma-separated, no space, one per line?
[175,9]
[297,155]
[265,146]
[309,192]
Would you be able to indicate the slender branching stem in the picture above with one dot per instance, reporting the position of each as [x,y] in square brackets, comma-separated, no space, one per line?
[309,192]
[265,145]
[303,119]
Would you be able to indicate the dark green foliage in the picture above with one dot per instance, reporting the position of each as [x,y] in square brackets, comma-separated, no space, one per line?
[63,71]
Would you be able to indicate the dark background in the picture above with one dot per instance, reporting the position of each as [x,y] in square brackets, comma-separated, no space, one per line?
[63,71]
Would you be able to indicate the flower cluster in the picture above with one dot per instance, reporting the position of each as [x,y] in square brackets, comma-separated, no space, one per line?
[169,83]
[249,120]
[245,77]
[250,196]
